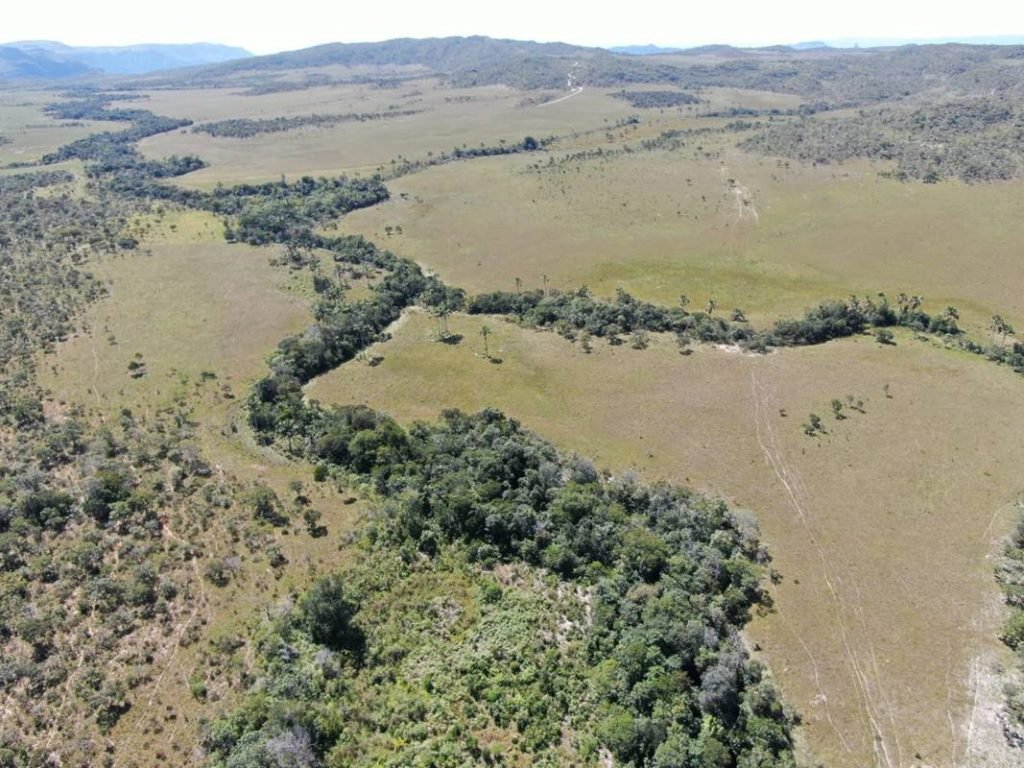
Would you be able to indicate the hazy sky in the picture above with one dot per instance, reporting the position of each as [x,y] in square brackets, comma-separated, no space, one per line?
[300,23]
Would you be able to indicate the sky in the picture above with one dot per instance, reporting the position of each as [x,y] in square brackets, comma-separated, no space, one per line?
[301,23]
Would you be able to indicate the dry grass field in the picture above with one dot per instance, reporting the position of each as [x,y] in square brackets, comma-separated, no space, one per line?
[881,529]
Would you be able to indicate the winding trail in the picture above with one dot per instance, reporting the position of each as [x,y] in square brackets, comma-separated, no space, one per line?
[96,378]
[574,92]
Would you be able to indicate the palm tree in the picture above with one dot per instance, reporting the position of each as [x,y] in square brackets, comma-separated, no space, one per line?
[999,326]
[442,312]
[485,331]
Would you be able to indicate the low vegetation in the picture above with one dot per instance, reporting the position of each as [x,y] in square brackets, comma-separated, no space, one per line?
[1010,574]
[95,584]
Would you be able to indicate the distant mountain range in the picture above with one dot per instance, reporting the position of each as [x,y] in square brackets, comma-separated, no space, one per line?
[643,50]
[464,61]
[49,60]
[814,45]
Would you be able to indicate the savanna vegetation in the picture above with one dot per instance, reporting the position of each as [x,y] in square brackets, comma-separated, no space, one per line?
[94,580]
[501,602]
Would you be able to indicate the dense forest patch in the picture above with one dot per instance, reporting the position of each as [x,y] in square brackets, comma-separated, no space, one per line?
[244,128]
[971,139]
[583,615]
[657,99]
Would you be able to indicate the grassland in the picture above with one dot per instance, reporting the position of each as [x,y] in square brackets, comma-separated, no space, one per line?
[880,529]
[490,115]
[773,240]
[31,132]
[189,304]
[881,636]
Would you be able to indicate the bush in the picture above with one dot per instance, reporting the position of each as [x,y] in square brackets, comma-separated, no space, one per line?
[1013,630]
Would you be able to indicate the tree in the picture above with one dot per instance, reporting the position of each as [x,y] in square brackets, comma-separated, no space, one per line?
[106,488]
[485,332]
[814,425]
[711,306]
[265,505]
[328,615]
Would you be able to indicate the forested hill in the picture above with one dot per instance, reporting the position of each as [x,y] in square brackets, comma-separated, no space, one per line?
[466,60]
[825,78]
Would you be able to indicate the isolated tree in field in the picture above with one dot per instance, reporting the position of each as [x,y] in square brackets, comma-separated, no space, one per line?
[1001,328]
[441,313]
[485,332]
[684,301]
[712,305]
